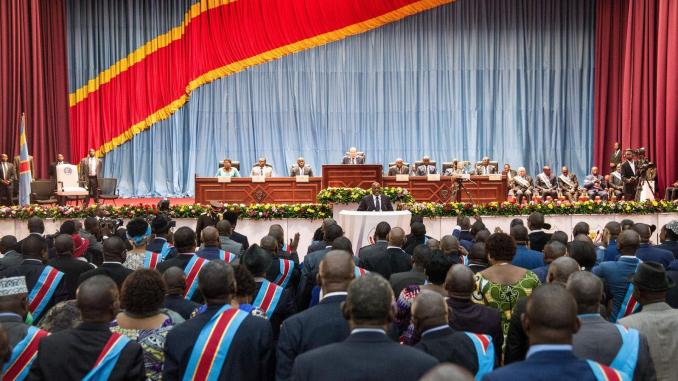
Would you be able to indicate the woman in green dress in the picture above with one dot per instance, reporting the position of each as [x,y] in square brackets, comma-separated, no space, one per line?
[227,170]
[502,284]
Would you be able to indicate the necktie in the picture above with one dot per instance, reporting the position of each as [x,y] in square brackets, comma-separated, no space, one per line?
[377,204]
[353,160]
[261,171]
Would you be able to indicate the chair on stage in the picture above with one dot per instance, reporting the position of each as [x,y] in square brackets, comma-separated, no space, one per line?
[42,192]
[108,188]
[68,183]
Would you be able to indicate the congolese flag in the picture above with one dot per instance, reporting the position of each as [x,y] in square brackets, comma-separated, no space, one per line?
[24,167]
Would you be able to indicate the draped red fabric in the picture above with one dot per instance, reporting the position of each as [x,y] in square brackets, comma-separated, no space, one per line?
[33,79]
[636,83]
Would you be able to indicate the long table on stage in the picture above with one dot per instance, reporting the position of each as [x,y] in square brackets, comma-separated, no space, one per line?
[243,190]
[481,188]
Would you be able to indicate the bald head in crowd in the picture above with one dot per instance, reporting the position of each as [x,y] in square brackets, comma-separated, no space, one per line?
[644,231]
[459,282]
[175,280]
[97,299]
[429,310]
[628,242]
[561,269]
[210,236]
[225,228]
[336,271]
[449,244]
[587,290]
[114,249]
[369,301]
[34,247]
[63,245]
[551,316]
[216,281]
[269,243]
[554,250]
[447,372]
[396,237]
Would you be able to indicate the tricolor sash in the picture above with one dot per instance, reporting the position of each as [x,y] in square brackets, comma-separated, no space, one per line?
[627,357]
[464,260]
[23,354]
[545,180]
[566,180]
[604,373]
[152,259]
[522,181]
[617,175]
[191,271]
[211,349]
[268,297]
[107,358]
[43,290]
[286,269]
[484,351]
[359,271]
[630,305]
[227,256]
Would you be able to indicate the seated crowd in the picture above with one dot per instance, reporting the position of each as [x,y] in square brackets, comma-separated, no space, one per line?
[148,302]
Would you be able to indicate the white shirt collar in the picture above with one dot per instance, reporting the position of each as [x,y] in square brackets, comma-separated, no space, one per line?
[435,329]
[337,293]
[112,262]
[547,347]
[393,247]
[360,330]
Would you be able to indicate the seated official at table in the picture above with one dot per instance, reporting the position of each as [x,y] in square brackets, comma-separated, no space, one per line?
[353,157]
[227,170]
[262,169]
[399,168]
[425,168]
[485,168]
[301,169]
[457,168]
[375,202]
[508,172]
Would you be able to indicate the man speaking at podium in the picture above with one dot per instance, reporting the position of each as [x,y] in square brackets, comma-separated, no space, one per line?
[375,202]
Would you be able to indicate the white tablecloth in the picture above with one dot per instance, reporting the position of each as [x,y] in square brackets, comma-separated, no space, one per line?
[359,226]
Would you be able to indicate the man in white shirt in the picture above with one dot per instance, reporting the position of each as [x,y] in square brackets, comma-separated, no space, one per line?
[90,173]
[262,169]
[7,178]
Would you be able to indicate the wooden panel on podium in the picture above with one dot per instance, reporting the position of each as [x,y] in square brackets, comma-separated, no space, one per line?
[243,190]
[482,192]
[351,176]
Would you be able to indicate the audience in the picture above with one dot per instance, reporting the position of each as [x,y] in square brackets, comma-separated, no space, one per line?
[114,257]
[610,234]
[380,238]
[559,236]
[10,256]
[393,259]
[237,237]
[670,241]
[477,257]
[175,283]
[584,252]
[71,267]
[415,276]
[138,235]
[647,252]
[227,243]
[449,245]
[537,237]
[552,251]
[447,372]
[525,257]
[417,237]
[245,287]
[62,316]
[161,228]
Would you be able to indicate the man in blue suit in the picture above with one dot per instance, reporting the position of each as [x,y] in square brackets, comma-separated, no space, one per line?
[322,324]
[646,251]
[525,257]
[367,353]
[550,322]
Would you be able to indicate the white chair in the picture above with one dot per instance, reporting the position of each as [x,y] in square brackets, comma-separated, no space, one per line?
[68,182]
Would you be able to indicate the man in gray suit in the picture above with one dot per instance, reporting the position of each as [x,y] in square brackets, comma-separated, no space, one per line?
[599,340]
[301,169]
[90,174]
[353,157]
[399,168]
[227,244]
[425,168]
[657,320]
[7,179]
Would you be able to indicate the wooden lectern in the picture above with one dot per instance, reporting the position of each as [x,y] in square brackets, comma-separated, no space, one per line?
[351,175]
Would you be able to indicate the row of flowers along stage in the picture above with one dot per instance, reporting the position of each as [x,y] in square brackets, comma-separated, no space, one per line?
[439,218]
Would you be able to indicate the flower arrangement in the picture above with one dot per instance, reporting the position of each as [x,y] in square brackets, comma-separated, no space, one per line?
[349,195]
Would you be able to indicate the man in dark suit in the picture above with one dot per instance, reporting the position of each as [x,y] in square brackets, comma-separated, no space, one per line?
[321,324]
[270,244]
[72,353]
[36,227]
[52,167]
[550,322]
[429,316]
[161,227]
[670,241]
[399,168]
[416,275]
[252,350]
[425,168]
[367,352]
[353,157]
[375,201]
[537,236]
[237,237]
[318,238]
[485,168]
[311,265]
[600,340]
[525,257]
[417,237]
[477,258]
[184,239]
[176,287]
[91,168]
[629,174]
[301,169]
[647,252]
[114,256]
[393,259]
[67,264]
[616,155]
[379,246]
[7,178]
[546,184]
[10,257]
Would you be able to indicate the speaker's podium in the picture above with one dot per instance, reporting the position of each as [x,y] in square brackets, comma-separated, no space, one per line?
[68,182]
[351,175]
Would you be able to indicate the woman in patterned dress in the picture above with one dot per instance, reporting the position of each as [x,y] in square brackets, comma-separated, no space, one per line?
[138,234]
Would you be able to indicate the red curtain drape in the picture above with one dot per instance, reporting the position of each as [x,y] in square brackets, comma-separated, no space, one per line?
[636,85]
[33,79]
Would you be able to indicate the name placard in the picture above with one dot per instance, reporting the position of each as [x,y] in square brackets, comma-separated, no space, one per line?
[224,179]
[258,179]
[301,178]
[433,177]
[402,177]
[494,177]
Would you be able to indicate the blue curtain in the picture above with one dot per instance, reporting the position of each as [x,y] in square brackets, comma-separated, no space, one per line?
[512,80]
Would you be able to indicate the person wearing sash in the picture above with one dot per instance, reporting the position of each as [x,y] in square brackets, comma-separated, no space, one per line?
[45,283]
[595,185]
[615,183]
[611,344]
[211,248]
[522,186]
[90,351]
[114,257]
[657,320]
[283,272]
[184,241]
[138,235]
[616,274]
[367,353]
[227,170]
[546,184]
[244,292]
[475,352]
[23,339]
[161,228]
[69,265]
[227,243]
[278,303]
[285,250]
[568,185]
[244,349]
[550,323]
[321,324]
[175,279]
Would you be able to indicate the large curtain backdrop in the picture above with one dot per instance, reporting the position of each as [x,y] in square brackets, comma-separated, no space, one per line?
[637,81]
[33,79]
[512,80]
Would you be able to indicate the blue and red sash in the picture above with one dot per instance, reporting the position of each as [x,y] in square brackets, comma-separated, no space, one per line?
[211,349]
[268,297]
[627,357]
[484,351]
[107,358]
[286,269]
[152,259]
[23,354]
[43,290]
[191,271]
[630,305]
[604,373]
[227,256]
[359,271]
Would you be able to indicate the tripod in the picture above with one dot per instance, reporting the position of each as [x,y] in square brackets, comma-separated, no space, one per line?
[458,187]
